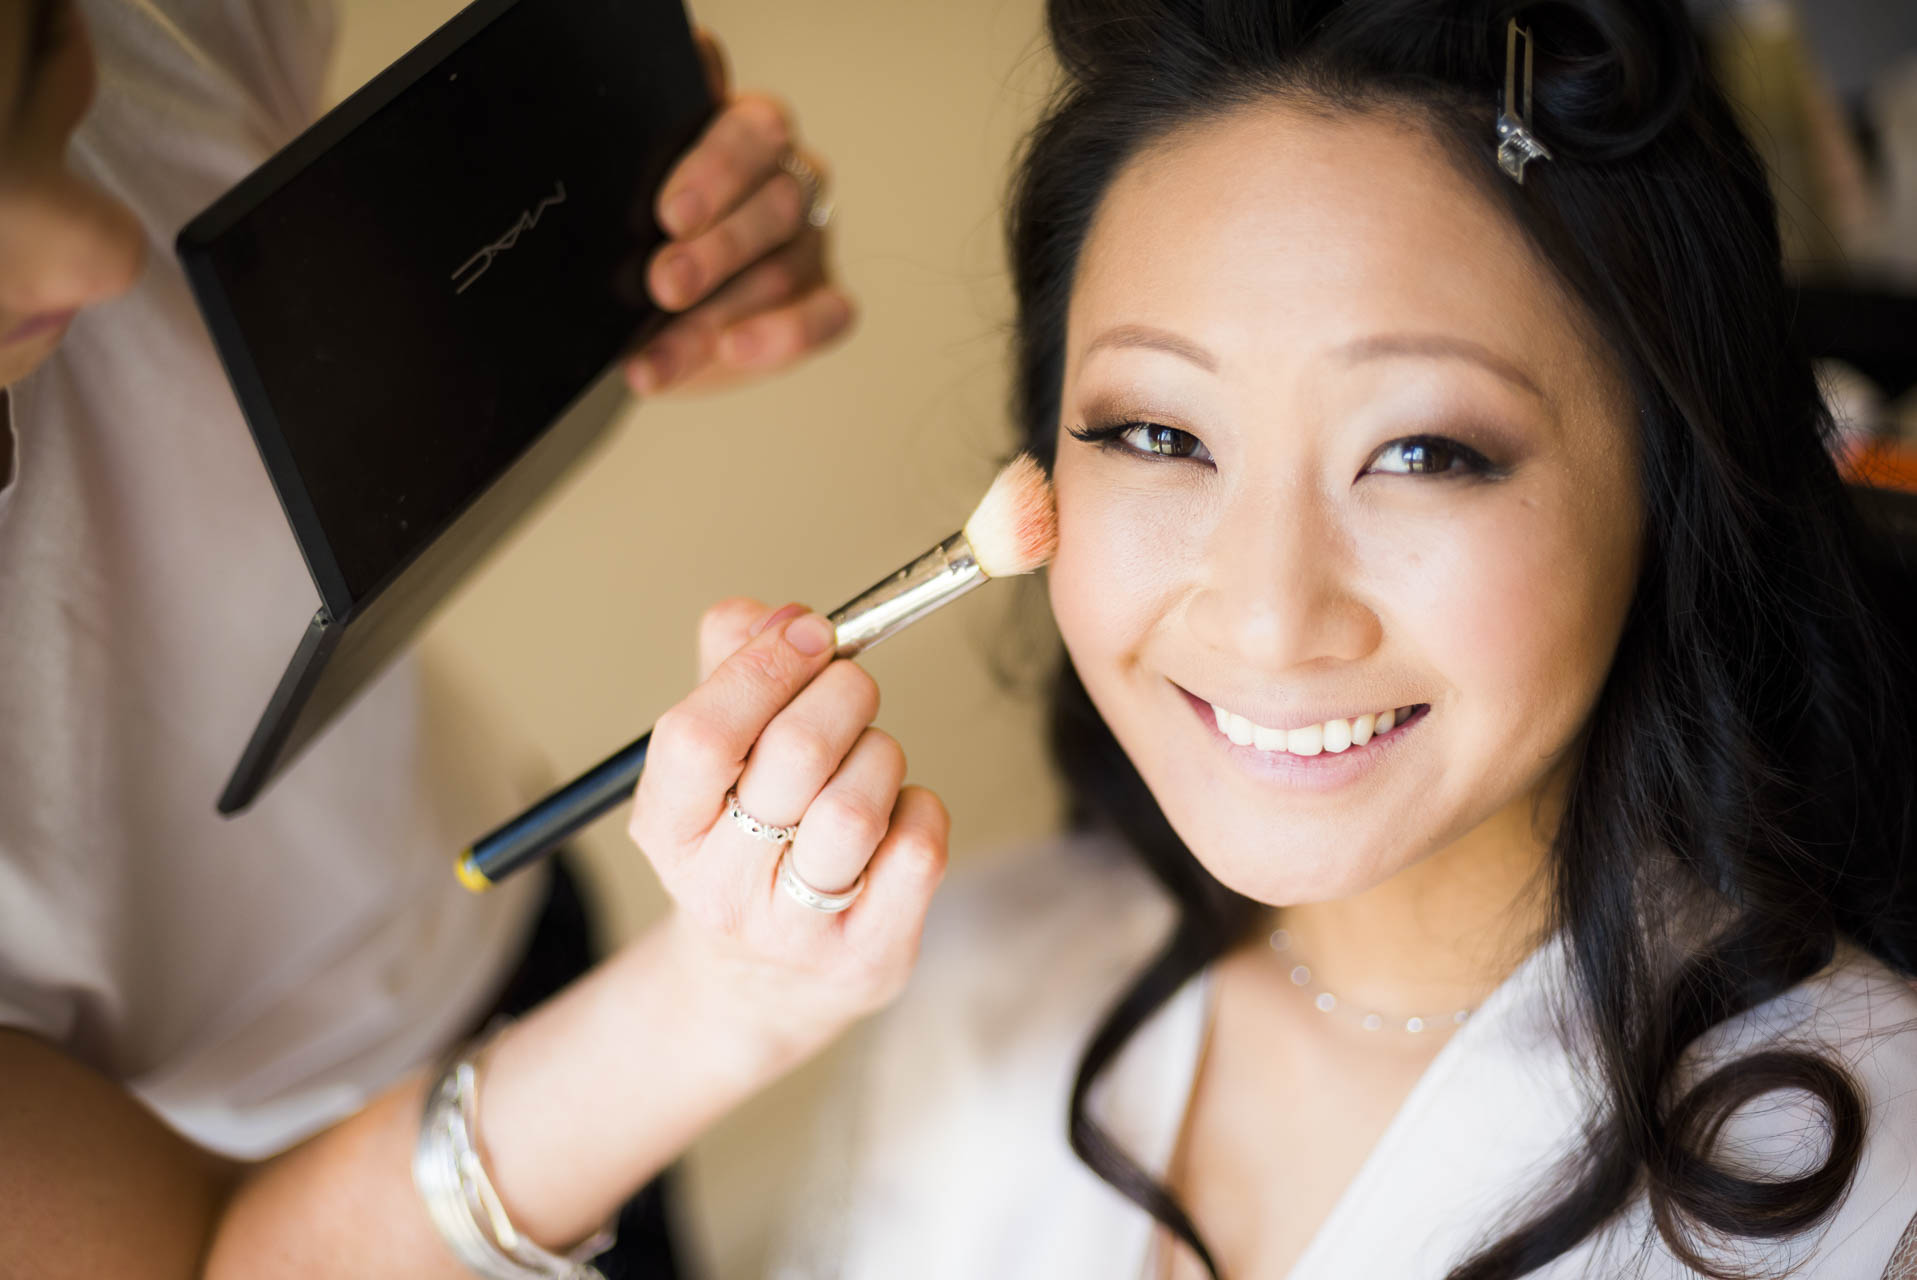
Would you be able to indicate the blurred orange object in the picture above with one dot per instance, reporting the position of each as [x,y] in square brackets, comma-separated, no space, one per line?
[1885,464]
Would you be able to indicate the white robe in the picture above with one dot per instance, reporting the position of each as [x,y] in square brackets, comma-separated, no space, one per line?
[945,1153]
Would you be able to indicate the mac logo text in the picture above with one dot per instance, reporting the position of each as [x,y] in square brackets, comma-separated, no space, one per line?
[481,262]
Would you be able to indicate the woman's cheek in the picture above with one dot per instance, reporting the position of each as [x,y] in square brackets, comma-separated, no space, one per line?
[1516,612]
[1121,551]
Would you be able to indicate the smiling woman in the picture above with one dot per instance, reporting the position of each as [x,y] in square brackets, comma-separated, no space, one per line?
[1466,627]
[1537,466]
[1350,497]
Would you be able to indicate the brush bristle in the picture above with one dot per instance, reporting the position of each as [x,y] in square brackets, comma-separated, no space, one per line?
[1015,528]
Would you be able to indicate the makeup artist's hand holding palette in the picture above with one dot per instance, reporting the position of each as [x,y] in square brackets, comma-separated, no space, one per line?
[1013,531]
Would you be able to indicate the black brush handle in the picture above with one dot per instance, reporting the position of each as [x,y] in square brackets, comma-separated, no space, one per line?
[521,841]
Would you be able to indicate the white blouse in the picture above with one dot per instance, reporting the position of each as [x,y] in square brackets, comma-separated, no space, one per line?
[945,1152]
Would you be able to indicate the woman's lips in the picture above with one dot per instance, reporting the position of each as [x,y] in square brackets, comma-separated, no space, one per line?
[1323,770]
[38,326]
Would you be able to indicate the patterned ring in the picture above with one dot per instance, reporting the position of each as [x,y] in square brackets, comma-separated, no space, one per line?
[806,896]
[818,210]
[753,827]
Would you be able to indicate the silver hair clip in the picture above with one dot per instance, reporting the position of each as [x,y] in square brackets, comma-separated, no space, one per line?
[1517,145]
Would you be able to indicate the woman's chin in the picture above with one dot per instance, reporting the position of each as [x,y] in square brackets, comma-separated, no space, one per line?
[1286,877]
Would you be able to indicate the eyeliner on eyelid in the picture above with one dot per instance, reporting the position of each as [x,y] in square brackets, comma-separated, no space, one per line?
[1111,437]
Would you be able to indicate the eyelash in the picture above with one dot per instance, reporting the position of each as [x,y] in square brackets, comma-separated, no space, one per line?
[1110,436]
[1467,461]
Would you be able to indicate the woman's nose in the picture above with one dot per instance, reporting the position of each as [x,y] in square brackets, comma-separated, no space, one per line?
[1278,590]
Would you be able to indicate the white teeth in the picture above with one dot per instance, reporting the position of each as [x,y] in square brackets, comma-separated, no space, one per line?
[1333,735]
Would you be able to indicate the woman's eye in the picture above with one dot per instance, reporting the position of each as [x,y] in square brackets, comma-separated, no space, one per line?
[1426,455]
[1145,437]
[1169,442]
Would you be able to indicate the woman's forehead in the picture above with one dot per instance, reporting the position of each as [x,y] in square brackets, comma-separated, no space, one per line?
[1282,226]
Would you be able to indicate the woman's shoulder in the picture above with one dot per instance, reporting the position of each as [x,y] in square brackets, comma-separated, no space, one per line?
[1859,1015]
[946,1152]
[1863,1015]
[1071,913]
[1021,957]
[1857,1010]
[1076,872]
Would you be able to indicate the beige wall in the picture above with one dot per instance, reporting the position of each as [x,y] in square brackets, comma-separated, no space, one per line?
[806,488]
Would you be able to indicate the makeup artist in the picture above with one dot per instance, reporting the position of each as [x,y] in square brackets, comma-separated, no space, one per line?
[214,1036]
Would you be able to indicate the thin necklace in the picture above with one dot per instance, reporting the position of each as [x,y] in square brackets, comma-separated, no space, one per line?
[1325,1002]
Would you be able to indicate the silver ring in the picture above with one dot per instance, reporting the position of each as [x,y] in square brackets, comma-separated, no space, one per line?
[818,210]
[806,896]
[753,827]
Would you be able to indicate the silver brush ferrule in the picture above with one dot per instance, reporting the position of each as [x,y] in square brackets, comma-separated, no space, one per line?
[936,578]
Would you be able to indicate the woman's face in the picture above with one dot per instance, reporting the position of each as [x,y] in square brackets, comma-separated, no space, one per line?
[64,243]
[1352,453]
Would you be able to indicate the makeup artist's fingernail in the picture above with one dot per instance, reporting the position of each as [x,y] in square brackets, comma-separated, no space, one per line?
[781,614]
[810,635]
[682,213]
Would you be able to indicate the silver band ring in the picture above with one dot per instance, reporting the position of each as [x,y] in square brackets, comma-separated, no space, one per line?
[753,827]
[806,896]
[817,210]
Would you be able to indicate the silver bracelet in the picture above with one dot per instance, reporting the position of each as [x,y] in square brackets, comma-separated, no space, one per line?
[460,1198]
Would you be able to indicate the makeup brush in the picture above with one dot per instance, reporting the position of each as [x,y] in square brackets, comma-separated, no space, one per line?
[1012,531]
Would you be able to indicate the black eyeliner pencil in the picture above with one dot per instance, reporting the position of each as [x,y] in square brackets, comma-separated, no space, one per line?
[527,838]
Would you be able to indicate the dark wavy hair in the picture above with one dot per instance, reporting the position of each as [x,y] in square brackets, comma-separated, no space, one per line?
[1747,748]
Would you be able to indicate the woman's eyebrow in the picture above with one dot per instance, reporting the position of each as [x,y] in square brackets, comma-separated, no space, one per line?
[1430,345]
[1143,335]
[1438,346]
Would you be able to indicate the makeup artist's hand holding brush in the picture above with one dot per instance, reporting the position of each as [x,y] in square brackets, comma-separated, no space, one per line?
[587,1097]
[596,1090]
[800,866]
[785,727]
